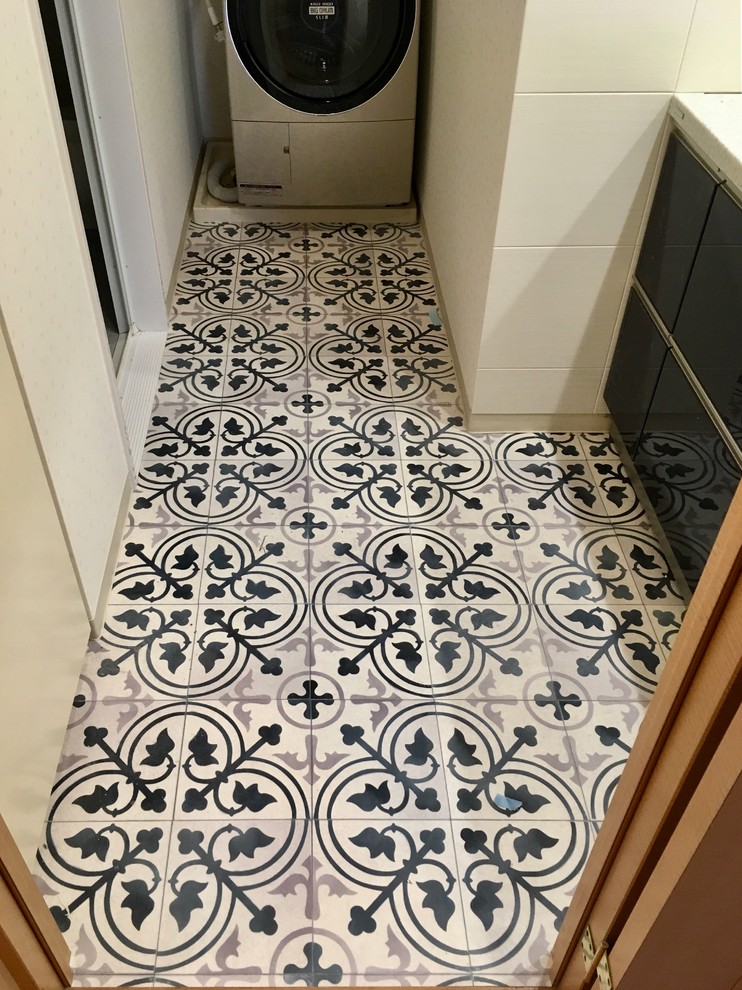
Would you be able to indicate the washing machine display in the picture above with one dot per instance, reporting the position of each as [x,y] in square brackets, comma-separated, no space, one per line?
[321,58]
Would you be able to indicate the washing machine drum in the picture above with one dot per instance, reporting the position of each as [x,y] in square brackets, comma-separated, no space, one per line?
[321,57]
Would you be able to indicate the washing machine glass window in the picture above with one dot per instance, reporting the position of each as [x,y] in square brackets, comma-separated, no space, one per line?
[321,57]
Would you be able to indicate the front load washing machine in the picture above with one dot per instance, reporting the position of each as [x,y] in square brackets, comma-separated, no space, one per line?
[323,100]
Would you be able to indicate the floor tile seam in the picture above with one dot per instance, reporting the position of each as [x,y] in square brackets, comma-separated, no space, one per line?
[587,517]
[577,776]
[179,410]
[648,625]
[518,552]
[544,628]
[340,252]
[533,821]
[636,696]
[235,601]
[146,705]
[447,601]
[359,696]
[539,630]
[407,459]
[202,351]
[389,823]
[165,879]
[232,356]
[202,251]
[276,245]
[347,316]
[202,315]
[149,462]
[639,511]
[134,650]
[581,780]
[453,820]
[628,531]
[130,536]
[591,530]
[233,290]
[459,875]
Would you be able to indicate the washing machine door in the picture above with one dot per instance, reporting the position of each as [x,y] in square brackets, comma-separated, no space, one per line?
[321,57]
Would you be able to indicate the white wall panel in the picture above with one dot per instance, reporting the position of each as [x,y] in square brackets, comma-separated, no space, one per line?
[603,46]
[50,303]
[469,60]
[553,307]
[578,168]
[537,391]
[594,81]
[43,624]
[159,55]
[712,62]
[99,35]
[210,68]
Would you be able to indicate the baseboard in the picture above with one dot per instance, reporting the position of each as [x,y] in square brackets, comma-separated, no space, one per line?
[447,324]
[207,209]
[538,422]
[96,623]
[507,422]
[137,382]
[184,228]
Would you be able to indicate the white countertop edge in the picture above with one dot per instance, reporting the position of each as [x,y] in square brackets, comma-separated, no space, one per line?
[712,122]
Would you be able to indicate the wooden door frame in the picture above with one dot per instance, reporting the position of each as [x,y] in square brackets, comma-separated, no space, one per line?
[674,763]
[696,701]
[699,947]
[33,952]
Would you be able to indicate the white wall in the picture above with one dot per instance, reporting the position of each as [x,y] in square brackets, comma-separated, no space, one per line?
[158,49]
[469,57]
[594,82]
[589,102]
[62,444]
[43,624]
[712,62]
[99,39]
[50,305]
[210,71]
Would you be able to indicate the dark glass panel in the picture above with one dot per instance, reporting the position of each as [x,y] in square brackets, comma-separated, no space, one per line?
[321,57]
[679,210]
[635,370]
[688,473]
[709,328]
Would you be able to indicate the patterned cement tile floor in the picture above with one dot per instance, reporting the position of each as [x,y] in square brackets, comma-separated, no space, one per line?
[367,681]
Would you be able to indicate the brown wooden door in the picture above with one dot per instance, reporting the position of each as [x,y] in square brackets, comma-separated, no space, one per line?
[33,954]
[681,772]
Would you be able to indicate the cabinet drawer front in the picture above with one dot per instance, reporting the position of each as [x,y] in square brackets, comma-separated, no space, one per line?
[635,370]
[709,328]
[679,211]
[688,473]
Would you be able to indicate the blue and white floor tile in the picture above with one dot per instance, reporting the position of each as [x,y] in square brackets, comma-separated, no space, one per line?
[105,883]
[601,738]
[144,653]
[611,652]
[367,681]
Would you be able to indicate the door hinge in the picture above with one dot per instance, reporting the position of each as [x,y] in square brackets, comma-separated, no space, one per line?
[597,963]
